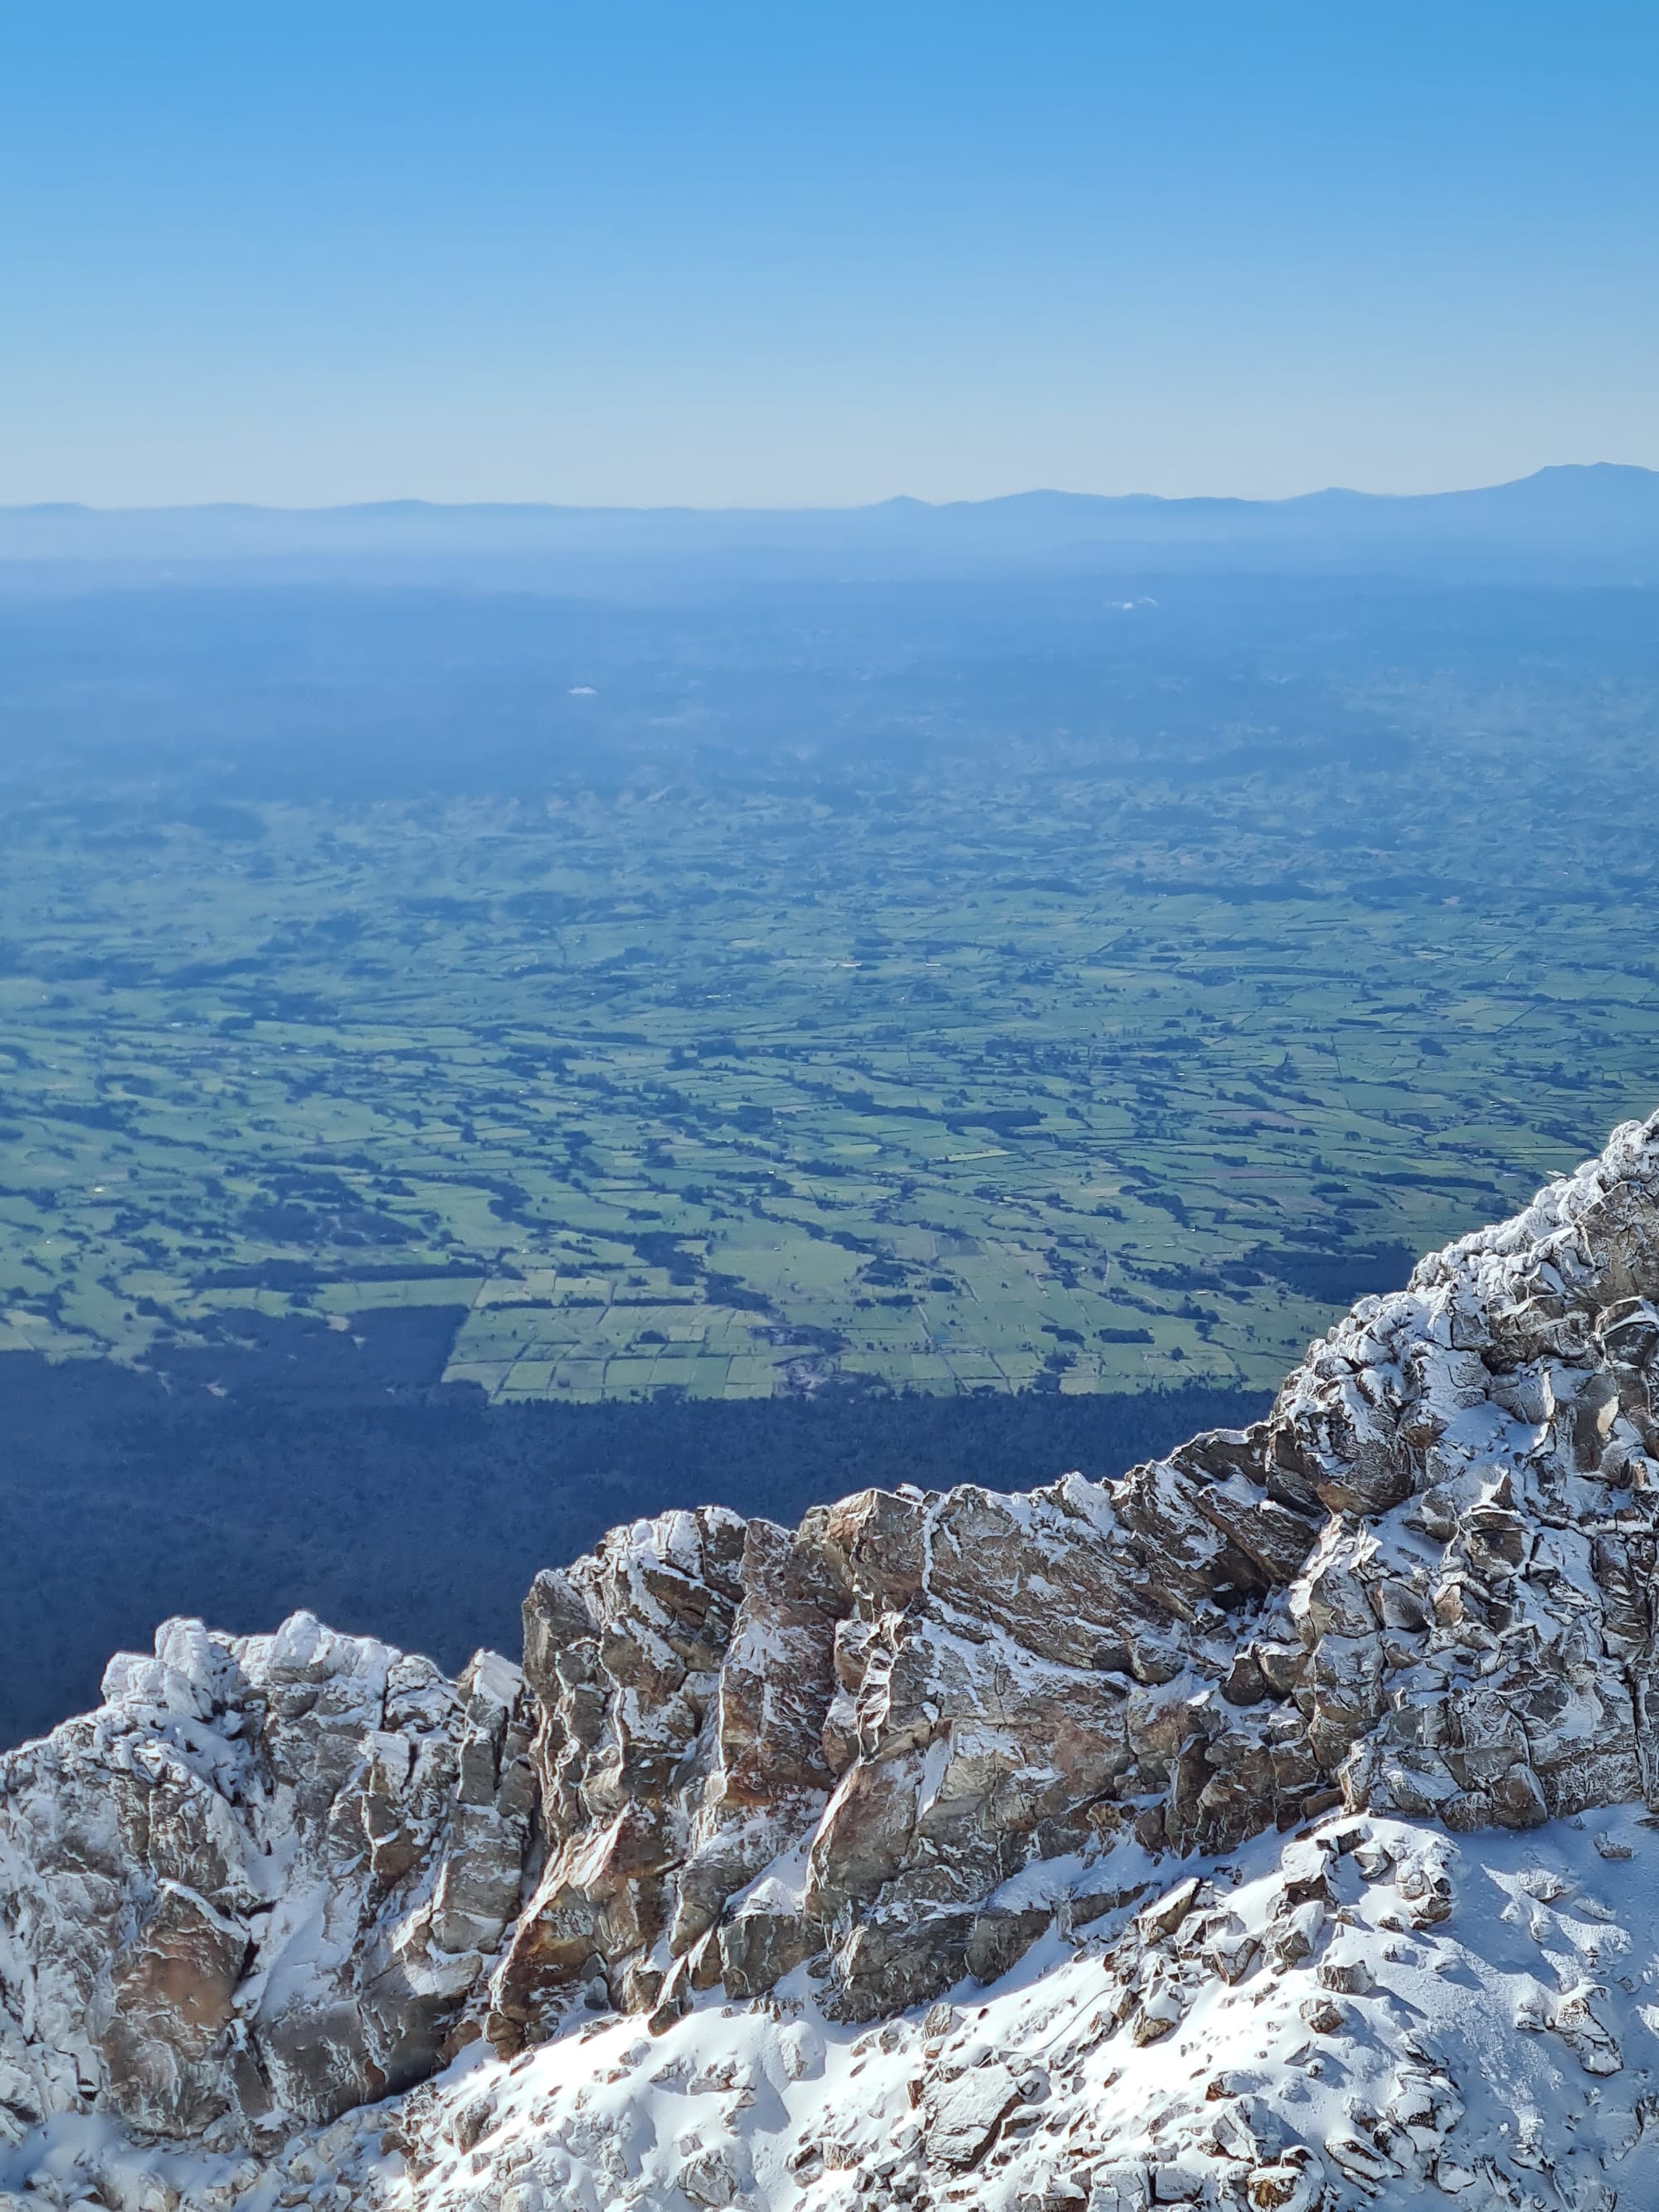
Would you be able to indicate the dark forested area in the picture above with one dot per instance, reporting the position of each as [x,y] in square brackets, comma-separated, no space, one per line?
[419,1513]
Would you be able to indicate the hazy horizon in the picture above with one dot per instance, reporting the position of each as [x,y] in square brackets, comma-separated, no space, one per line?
[806,258]
[900,498]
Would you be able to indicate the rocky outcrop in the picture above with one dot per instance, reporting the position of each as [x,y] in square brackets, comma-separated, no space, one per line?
[924,1692]
[1376,2014]
[283,1875]
[1423,1584]
[259,1884]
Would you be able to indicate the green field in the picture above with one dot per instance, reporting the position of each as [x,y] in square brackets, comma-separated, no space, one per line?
[1057,1074]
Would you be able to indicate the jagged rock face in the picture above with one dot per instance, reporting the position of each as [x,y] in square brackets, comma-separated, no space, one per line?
[1422,1589]
[1483,1652]
[261,1880]
[932,1689]
[1423,1584]
[1371,2018]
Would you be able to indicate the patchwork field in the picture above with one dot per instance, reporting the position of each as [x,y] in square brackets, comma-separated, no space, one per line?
[1021,1071]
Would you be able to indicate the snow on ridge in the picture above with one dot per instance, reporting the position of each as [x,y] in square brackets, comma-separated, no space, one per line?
[765,1799]
[1380,2013]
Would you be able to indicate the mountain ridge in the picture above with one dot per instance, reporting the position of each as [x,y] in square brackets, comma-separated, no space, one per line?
[900,1858]
[1600,510]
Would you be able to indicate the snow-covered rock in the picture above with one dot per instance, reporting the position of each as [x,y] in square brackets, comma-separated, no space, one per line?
[259,1883]
[935,1851]
[1506,2054]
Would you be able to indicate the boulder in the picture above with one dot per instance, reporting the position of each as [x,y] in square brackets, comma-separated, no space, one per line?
[963,2115]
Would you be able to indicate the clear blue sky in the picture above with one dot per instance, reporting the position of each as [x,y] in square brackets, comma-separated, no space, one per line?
[820,250]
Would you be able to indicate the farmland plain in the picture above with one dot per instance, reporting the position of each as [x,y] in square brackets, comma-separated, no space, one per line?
[1108,1035]
[476,1066]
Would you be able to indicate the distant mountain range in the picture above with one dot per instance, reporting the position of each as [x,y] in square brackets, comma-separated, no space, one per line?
[1602,518]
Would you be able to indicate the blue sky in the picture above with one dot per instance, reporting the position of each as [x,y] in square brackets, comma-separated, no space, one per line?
[820,250]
